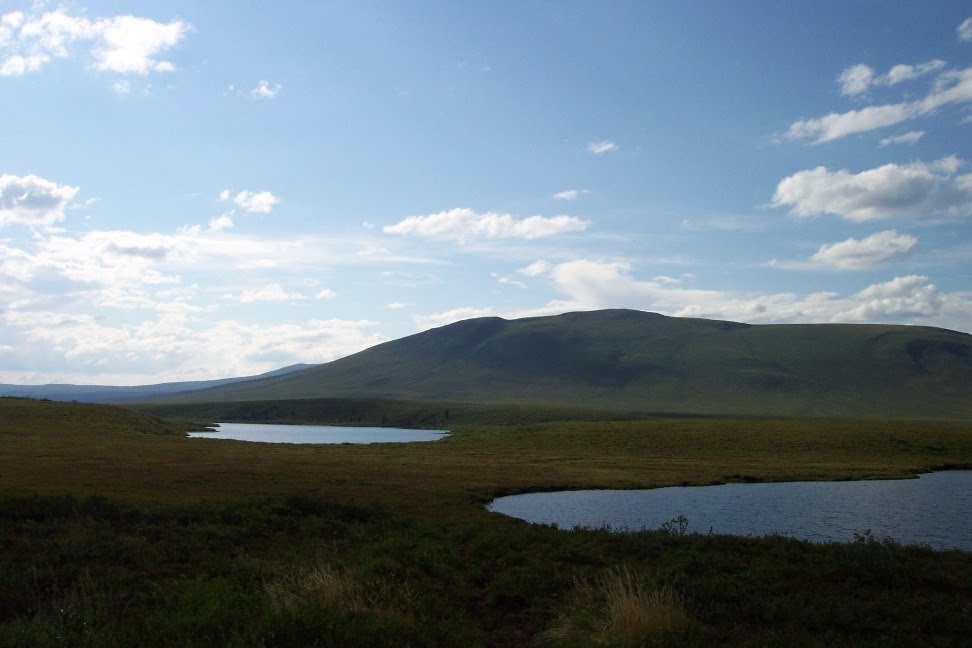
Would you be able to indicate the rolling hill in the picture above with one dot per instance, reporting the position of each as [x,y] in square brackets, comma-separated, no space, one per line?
[121,394]
[633,360]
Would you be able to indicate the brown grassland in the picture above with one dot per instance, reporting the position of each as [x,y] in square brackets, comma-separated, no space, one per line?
[147,537]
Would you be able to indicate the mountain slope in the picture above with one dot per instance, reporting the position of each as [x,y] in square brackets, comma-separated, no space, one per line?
[113,394]
[645,361]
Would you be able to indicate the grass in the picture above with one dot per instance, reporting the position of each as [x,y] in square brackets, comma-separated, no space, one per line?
[622,607]
[625,359]
[117,530]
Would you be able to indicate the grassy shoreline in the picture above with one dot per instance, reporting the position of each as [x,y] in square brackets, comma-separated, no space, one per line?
[147,535]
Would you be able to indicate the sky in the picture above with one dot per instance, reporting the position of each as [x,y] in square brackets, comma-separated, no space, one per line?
[204,190]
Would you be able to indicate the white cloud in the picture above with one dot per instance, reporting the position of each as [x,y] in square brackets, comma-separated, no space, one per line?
[462,224]
[265,90]
[588,284]
[951,87]
[122,44]
[175,347]
[602,147]
[535,269]
[910,137]
[571,194]
[510,281]
[901,297]
[224,195]
[5,347]
[325,293]
[856,79]
[130,45]
[397,305]
[222,222]
[903,72]
[270,293]
[837,125]
[915,189]
[121,87]
[869,252]
[32,201]
[965,30]
[262,202]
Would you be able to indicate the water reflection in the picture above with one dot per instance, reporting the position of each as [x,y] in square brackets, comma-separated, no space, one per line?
[935,509]
[274,433]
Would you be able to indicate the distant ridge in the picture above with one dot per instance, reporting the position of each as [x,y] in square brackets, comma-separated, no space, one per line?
[112,394]
[633,360]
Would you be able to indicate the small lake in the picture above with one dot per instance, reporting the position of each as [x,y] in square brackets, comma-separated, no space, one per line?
[274,433]
[934,510]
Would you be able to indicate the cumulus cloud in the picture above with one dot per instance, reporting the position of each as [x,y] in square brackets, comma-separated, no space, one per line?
[902,72]
[265,90]
[261,202]
[587,284]
[856,79]
[571,194]
[32,201]
[121,44]
[128,44]
[950,87]
[222,222]
[602,147]
[915,189]
[462,224]
[869,252]
[910,137]
[964,30]
[902,296]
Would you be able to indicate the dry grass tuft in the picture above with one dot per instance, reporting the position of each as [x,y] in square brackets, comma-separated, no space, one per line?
[637,611]
[328,587]
[323,586]
[621,607]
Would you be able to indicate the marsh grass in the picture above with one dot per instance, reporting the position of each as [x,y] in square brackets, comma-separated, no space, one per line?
[621,606]
[114,531]
[325,587]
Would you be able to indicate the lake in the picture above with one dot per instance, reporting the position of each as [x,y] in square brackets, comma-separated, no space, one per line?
[933,510]
[274,433]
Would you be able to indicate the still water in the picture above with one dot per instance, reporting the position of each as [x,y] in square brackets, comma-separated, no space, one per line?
[934,510]
[272,433]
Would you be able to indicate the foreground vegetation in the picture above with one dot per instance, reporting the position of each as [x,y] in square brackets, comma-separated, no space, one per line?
[117,530]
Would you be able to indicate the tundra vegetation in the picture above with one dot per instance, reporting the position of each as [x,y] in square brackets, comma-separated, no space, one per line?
[116,529]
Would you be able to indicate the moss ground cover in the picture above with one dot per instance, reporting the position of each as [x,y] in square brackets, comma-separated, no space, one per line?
[117,530]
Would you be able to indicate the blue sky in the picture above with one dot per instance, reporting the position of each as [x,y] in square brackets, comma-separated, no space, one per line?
[201,190]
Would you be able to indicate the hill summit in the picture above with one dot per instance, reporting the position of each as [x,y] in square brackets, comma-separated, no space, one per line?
[633,360]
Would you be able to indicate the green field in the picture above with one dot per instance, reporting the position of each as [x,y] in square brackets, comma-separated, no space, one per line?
[115,529]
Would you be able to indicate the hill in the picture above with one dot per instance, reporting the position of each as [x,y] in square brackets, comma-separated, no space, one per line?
[632,360]
[113,394]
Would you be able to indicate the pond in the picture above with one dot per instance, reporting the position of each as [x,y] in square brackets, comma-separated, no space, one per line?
[933,510]
[274,433]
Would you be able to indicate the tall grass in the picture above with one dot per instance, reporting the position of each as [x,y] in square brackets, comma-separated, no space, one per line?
[621,607]
[322,587]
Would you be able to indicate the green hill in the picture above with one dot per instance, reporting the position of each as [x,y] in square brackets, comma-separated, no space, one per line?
[117,394]
[624,359]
